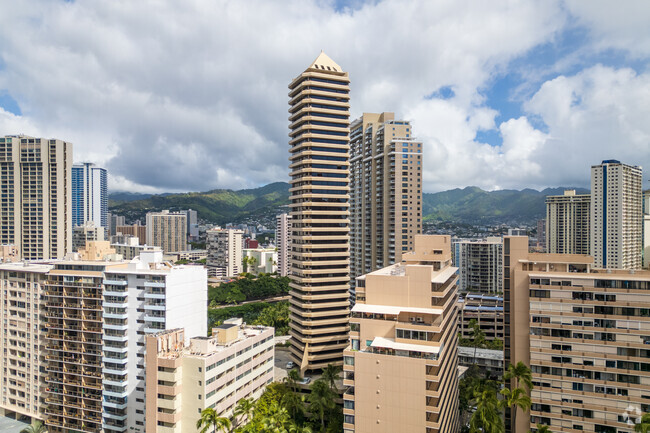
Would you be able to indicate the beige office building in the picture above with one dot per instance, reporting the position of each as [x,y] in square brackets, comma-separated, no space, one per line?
[225,253]
[35,183]
[320,245]
[135,230]
[616,215]
[567,223]
[212,372]
[167,230]
[385,191]
[584,333]
[401,367]
[283,242]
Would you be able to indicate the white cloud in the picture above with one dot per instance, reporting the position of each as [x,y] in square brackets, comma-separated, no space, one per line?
[192,96]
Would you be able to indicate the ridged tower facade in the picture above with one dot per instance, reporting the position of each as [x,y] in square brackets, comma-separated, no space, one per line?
[320,251]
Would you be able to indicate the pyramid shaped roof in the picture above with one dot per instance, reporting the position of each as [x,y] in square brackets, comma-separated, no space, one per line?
[323,62]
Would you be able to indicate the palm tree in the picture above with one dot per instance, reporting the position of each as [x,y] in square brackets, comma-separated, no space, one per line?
[294,403]
[643,426]
[210,418]
[331,375]
[243,410]
[521,373]
[293,376]
[487,416]
[541,428]
[514,399]
[321,400]
[478,336]
[35,427]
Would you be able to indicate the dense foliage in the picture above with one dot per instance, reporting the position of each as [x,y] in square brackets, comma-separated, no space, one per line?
[248,288]
[255,313]
[478,340]
[282,409]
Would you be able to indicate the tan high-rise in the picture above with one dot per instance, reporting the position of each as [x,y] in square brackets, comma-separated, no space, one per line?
[35,183]
[225,252]
[401,367]
[167,230]
[385,191]
[567,223]
[584,334]
[319,193]
[283,242]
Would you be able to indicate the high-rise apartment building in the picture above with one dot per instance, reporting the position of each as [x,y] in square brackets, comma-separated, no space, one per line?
[283,242]
[212,372]
[22,344]
[135,230]
[385,191]
[86,232]
[401,367]
[319,193]
[584,334]
[616,215]
[225,256]
[567,223]
[192,225]
[646,229]
[486,310]
[541,235]
[83,345]
[113,222]
[167,230]
[480,265]
[35,183]
[89,195]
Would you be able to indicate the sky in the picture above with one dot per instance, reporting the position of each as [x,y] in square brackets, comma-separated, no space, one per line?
[191,96]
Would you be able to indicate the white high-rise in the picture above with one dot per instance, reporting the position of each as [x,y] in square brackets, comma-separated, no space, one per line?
[225,252]
[283,242]
[616,215]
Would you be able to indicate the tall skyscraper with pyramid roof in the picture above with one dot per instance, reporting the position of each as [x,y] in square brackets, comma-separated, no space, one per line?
[320,251]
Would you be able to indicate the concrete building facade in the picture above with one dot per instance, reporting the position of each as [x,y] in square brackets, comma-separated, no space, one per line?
[486,310]
[86,232]
[89,195]
[211,372]
[35,183]
[167,230]
[225,255]
[261,260]
[283,242]
[401,366]
[584,333]
[385,191]
[319,113]
[616,215]
[568,218]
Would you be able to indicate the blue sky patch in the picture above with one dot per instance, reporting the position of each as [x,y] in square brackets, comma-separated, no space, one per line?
[8,103]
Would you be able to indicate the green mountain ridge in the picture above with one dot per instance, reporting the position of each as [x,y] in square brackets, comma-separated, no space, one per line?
[467,205]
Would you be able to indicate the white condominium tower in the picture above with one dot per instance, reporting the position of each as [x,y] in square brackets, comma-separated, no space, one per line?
[320,245]
[225,255]
[283,242]
[616,215]
[35,211]
[567,223]
[385,191]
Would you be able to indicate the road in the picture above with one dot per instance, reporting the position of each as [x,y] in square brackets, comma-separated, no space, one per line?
[267,300]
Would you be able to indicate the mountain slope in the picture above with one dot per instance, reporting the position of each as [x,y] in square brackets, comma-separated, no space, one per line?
[218,206]
[468,205]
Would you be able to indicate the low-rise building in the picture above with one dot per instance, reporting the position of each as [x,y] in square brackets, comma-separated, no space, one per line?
[261,260]
[212,372]
[488,360]
[486,310]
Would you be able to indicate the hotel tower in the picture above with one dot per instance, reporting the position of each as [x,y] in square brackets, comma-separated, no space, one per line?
[320,252]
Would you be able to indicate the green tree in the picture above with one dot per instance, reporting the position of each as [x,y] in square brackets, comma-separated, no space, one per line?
[35,427]
[487,416]
[293,376]
[478,336]
[515,398]
[321,401]
[521,374]
[210,418]
[331,375]
[243,411]
[643,426]
[541,428]
[295,405]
